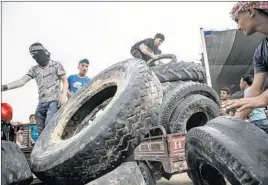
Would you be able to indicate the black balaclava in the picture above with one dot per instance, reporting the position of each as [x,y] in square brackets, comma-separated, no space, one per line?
[40,54]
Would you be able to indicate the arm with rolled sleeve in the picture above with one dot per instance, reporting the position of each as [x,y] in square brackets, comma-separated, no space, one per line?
[260,74]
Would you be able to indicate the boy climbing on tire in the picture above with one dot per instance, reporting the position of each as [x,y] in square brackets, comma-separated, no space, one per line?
[48,74]
[148,48]
[252,16]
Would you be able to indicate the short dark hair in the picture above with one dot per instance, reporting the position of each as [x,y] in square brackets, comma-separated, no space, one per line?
[248,78]
[31,116]
[159,36]
[86,61]
[226,89]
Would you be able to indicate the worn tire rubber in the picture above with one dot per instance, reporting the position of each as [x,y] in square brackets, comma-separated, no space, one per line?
[237,149]
[184,89]
[184,71]
[106,142]
[195,110]
[14,166]
[126,174]
[147,174]
[168,86]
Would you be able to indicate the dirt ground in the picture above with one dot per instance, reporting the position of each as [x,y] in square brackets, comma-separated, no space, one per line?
[181,179]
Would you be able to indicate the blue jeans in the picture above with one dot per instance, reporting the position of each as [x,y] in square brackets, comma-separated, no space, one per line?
[44,113]
[263,124]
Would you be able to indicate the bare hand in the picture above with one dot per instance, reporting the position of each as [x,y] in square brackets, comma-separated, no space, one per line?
[155,56]
[62,101]
[244,103]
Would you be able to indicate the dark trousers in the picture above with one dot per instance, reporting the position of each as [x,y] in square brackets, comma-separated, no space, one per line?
[136,53]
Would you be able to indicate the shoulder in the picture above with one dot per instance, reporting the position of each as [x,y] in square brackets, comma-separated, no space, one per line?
[71,76]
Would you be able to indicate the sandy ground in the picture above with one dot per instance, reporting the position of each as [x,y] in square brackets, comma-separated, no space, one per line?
[181,179]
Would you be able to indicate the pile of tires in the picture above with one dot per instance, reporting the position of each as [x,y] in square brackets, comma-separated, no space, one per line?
[82,144]
[188,102]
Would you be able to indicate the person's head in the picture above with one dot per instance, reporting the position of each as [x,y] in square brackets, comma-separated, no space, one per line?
[32,118]
[83,67]
[225,93]
[40,54]
[250,15]
[159,38]
[246,81]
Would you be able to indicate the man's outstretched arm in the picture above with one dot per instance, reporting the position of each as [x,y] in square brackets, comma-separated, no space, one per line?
[16,84]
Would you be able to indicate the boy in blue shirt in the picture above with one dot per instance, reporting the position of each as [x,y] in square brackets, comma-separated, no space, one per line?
[77,81]
[33,130]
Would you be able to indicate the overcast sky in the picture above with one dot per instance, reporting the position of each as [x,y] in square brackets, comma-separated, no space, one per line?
[103,32]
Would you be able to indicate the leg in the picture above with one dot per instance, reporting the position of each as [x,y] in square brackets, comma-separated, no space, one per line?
[52,109]
[136,53]
[40,116]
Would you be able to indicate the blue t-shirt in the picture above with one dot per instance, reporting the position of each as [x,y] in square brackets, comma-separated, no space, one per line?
[34,132]
[76,83]
[260,59]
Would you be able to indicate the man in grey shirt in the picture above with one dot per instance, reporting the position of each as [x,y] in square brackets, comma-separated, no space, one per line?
[48,75]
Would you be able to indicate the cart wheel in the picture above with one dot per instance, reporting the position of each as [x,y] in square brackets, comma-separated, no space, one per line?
[147,174]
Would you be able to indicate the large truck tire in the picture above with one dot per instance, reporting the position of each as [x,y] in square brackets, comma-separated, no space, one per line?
[181,91]
[227,149]
[180,71]
[195,110]
[147,174]
[14,166]
[78,145]
[126,174]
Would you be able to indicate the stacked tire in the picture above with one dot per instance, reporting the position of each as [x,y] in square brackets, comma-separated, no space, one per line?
[188,102]
[81,143]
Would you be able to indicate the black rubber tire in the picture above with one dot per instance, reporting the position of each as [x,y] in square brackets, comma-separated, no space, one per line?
[173,98]
[184,71]
[126,174]
[14,166]
[147,174]
[195,110]
[227,147]
[110,138]
[168,86]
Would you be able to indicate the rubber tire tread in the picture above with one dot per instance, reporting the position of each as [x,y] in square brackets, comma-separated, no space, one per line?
[116,135]
[237,149]
[189,106]
[184,71]
[14,166]
[126,174]
[183,89]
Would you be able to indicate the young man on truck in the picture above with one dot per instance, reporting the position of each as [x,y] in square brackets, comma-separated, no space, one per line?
[252,16]
[48,74]
[148,48]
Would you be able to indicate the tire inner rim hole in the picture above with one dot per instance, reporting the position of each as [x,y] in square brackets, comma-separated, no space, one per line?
[88,112]
[211,176]
[196,120]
